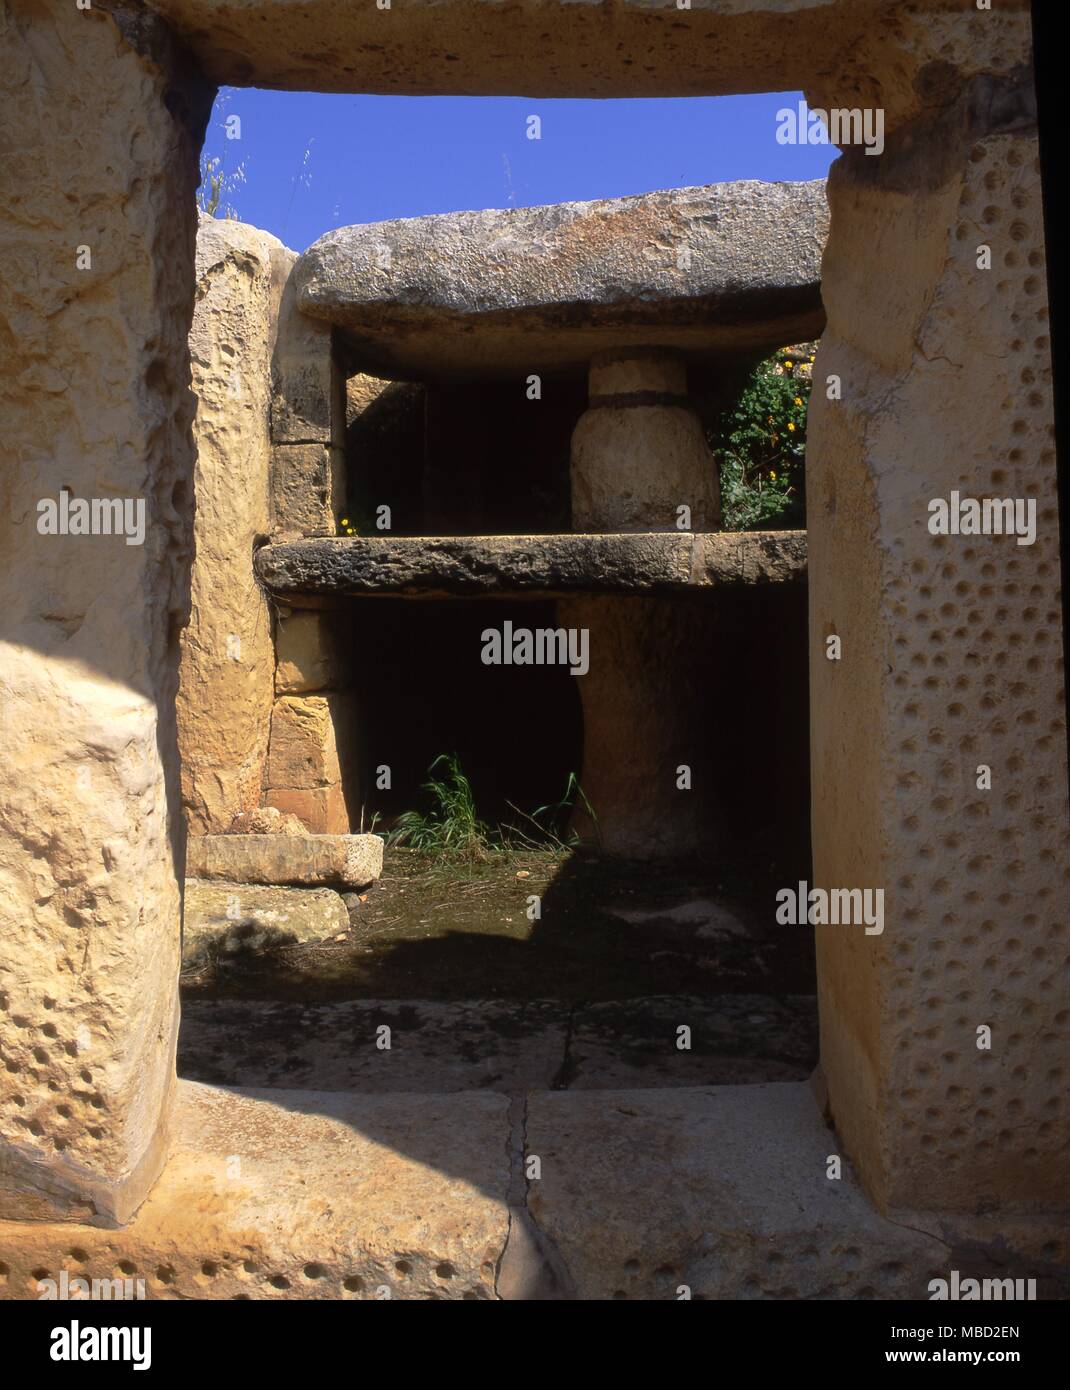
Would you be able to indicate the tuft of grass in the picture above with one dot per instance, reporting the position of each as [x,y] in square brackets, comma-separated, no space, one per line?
[556,813]
[452,828]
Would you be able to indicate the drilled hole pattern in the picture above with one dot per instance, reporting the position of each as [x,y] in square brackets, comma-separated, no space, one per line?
[243,1273]
[979,881]
[50,1096]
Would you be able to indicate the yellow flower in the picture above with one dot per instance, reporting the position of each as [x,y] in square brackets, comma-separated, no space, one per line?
[791,425]
[772,474]
[798,400]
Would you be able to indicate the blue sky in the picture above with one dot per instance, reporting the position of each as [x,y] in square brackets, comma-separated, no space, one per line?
[313,162]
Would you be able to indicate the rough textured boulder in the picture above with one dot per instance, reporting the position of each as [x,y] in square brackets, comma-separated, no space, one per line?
[227,667]
[732,266]
[233,919]
[264,820]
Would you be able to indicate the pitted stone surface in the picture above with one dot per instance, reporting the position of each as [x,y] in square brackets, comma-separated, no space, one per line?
[301,1194]
[354,860]
[962,668]
[720,1189]
[728,267]
[100,137]
[315,571]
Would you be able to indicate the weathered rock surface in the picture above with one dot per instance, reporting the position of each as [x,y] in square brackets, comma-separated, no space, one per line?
[496,1044]
[467,47]
[309,656]
[226,673]
[301,1194]
[723,1190]
[353,860]
[233,919]
[264,820]
[644,772]
[728,267]
[100,131]
[942,1122]
[319,570]
[639,452]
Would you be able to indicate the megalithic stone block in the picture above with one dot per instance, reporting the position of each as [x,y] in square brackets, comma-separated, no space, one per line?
[226,668]
[727,268]
[353,860]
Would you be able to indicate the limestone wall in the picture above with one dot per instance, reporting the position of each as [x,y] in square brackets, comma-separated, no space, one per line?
[228,661]
[101,132]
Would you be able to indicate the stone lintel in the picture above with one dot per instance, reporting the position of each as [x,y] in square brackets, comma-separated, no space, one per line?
[629,48]
[713,272]
[318,572]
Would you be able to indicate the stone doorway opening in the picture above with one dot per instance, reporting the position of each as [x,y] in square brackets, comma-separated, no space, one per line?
[463,497]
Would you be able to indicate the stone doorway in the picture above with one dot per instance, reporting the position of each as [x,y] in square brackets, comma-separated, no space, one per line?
[953,659]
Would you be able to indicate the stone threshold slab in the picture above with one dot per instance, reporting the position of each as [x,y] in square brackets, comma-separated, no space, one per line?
[315,572]
[351,860]
[498,1044]
[300,1195]
[719,1191]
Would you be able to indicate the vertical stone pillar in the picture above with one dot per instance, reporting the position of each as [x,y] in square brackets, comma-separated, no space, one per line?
[303,773]
[645,774]
[312,758]
[227,669]
[638,453]
[97,233]
[308,426]
[951,662]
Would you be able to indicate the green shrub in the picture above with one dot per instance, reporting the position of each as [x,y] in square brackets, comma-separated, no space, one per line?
[760,445]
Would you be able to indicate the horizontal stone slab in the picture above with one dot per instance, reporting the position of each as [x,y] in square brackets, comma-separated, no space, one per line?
[353,860]
[233,919]
[723,1189]
[291,1194]
[725,268]
[280,1194]
[484,48]
[314,572]
[497,1044]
